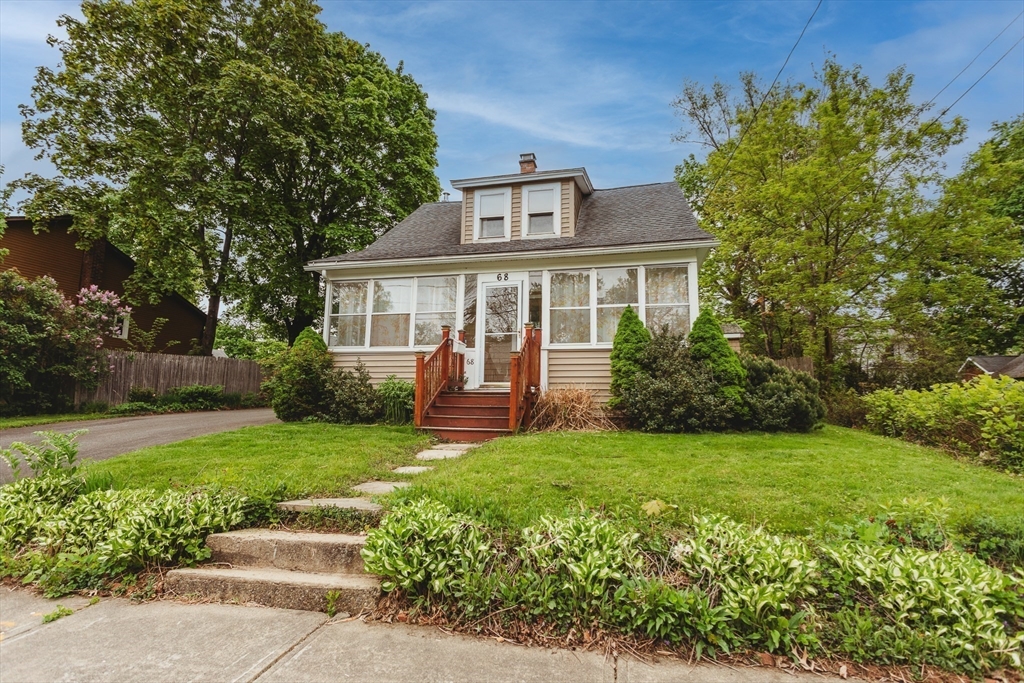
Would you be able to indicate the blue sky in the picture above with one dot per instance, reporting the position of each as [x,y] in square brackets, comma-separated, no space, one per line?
[591,84]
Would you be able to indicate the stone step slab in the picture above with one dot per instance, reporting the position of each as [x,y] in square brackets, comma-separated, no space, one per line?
[276,588]
[454,446]
[438,454]
[291,550]
[376,488]
[308,504]
[412,469]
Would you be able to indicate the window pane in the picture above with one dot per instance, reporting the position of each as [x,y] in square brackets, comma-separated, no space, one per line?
[492,204]
[435,294]
[501,313]
[498,363]
[469,312]
[392,296]
[570,289]
[389,329]
[667,285]
[540,201]
[675,318]
[536,298]
[428,327]
[348,297]
[492,227]
[617,286]
[570,326]
[348,330]
[542,224]
[608,323]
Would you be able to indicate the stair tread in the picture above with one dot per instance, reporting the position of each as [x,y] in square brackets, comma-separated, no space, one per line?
[304,504]
[468,429]
[289,536]
[286,576]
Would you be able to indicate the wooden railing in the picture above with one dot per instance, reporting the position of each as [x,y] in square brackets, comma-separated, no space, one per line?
[524,380]
[434,373]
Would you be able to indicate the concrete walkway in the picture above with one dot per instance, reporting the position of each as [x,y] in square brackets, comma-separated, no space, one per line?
[107,438]
[115,640]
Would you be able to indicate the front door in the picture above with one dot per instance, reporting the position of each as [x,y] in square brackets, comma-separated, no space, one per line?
[502,319]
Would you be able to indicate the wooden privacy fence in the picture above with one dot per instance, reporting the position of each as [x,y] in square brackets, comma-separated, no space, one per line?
[161,372]
[801,363]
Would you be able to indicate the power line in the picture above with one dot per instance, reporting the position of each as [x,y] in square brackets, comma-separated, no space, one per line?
[753,120]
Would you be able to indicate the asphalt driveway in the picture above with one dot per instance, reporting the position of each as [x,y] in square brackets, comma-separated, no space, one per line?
[107,438]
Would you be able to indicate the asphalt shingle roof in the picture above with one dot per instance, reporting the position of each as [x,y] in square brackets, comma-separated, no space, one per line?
[637,215]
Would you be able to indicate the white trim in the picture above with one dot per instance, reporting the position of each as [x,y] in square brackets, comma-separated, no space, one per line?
[524,213]
[636,249]
[577,174]
[514,280]
[506,193]
[329,289]
[692,294]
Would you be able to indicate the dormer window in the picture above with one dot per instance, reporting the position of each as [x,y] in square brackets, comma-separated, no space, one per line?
[542,211]
[493,214]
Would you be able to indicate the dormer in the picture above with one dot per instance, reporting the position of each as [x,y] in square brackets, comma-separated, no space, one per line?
[529,205]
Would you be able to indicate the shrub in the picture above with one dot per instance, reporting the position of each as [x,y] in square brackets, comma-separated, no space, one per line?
[571,409]
[194,397]
[56,451]
[982,419]
[845,408]
[300,385]
[142,395]
[352,397]
[708,344]
[631,337]
[311,336]
[48,342]
[134,408]
[397,399]
[674,393]
[997,541]
[780,400]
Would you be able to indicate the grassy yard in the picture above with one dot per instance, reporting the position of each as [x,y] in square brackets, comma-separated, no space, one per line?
[31,420]
[790,481]
[306,458]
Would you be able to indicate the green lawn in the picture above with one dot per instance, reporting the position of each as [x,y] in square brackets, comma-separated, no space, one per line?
[306,458]
[790,481]
[31,420]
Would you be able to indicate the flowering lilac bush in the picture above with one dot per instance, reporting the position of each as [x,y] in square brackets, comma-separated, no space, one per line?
[48,342]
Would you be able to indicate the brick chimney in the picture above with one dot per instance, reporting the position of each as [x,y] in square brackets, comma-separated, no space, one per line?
[527,163]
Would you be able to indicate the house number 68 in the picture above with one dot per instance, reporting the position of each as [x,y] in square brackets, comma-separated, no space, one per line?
[502,276]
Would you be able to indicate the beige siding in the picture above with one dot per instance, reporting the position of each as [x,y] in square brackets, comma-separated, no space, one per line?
[467,216]
[587,368]
[516,223]
[734,344]
[566,205]
[380,365]
[577,203]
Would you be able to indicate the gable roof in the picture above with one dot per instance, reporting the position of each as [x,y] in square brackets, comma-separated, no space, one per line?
[624,216]
[1011,366]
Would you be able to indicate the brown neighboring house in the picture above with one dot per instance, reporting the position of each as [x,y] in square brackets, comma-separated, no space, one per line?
[53,252]
[996,366]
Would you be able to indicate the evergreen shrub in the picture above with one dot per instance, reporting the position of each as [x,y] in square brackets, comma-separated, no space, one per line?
[631,337]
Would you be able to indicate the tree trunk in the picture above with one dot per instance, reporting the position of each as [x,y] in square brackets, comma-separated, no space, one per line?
[210,328]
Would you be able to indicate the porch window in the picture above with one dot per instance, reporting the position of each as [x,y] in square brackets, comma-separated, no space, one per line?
[668,299]
[392,310]
[347,325]
[570,307]
[435,306]
[616,289]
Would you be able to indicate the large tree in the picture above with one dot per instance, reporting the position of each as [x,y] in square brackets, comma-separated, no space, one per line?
[194,134]
[819,209]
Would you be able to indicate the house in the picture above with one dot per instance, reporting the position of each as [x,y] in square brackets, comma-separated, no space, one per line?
[53,251]
[996,366]
[536,247]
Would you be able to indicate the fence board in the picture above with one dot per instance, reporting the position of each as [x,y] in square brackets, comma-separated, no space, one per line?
[161,372]
[801,363]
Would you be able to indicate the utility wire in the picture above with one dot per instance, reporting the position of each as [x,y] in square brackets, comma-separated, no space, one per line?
[753,120]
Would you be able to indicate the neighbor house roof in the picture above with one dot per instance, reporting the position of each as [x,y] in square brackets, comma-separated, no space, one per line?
[624,216]
[1011,366]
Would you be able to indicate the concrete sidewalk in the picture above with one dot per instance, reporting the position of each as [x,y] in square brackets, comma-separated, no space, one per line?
[115,640]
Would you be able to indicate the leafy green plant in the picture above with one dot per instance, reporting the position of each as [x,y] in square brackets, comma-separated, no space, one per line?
[778,399]
[982,419]
[631,338]
[142,395]
[709,345]
[299,386]
[332,598]
[55,451]
[58,613]
[398,399]
[352,397]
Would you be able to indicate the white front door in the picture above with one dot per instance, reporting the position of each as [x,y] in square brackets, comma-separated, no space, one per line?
[502,308]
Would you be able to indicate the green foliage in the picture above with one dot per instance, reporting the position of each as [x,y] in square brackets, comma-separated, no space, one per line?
[352,397]
[997,541]
[631,338]
[58,613]
[240,340]
[311,336]
[981,420]
[56,451]
[708,345]
[845,408]
[241,143]
[398,399]
[48,342]
[145,340]
[778,399]
[300,385]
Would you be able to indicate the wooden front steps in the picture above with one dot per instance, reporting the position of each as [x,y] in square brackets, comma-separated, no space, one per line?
[476,415]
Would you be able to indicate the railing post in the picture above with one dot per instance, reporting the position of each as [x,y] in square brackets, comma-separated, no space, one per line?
[515,393]
[446,355]
[461,359]
[420,390]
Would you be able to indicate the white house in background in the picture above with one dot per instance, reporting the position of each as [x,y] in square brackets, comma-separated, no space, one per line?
[535,246]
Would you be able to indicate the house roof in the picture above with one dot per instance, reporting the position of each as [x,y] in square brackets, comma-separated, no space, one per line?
[1011,366]
[639,215]
[579,175]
